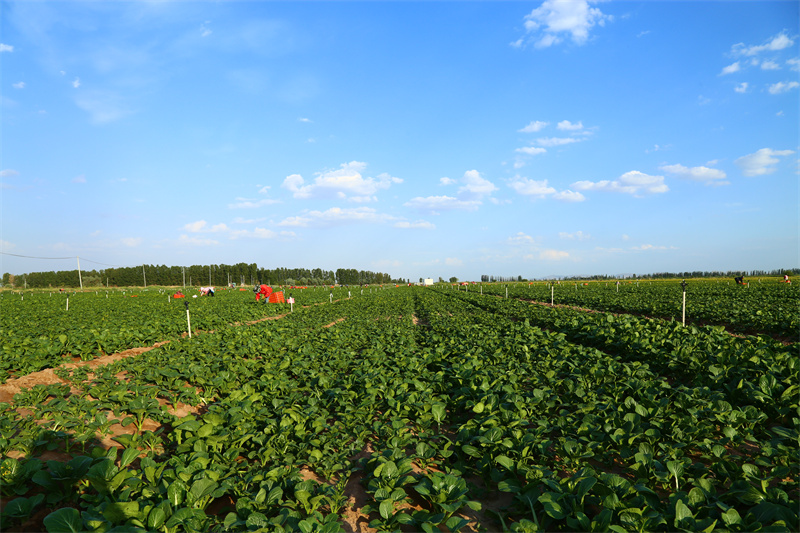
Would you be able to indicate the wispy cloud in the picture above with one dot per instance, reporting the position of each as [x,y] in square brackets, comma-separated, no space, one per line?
[6,48]
[337,216]
[18,85]
[577,236]
[762,162]
[250,203]
[419,224]
[436,204]
[533,127]
[778,42]
[783,87]
[709,176]
[634,182]
[345,183]
[566,125]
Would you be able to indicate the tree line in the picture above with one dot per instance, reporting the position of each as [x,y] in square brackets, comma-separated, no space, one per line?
[214,275]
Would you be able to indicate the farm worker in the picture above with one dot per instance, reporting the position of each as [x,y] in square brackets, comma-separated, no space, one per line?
[739,280]
[262,291]
[206,291]
[178,294]
[786,278]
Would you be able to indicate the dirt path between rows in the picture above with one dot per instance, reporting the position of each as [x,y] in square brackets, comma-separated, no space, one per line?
[48,376]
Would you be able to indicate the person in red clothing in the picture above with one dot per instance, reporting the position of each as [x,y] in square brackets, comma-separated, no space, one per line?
[262,291]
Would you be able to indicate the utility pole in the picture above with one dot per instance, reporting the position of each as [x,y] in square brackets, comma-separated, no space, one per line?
[80,279]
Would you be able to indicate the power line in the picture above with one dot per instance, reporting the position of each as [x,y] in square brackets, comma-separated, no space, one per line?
[32,257]
[71,257]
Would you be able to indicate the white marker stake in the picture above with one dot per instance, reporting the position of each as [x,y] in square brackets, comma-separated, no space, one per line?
[291,305]
[551,295]
[330,297]
[67,304]
[506,293]
[188,320]
[348,295]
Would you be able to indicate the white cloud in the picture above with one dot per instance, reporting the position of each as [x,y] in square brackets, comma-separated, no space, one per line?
[8,173]
[761,162]
[566,125]
[650,247]
[18,85]
[196,241]
[556,141]
[256,233]
[195,227]
[709,176]
[337,215]
[131,241]
[531,150]
[6,48]
[741,88]
[102,106]
[730,69]
[569,196]
[770,65]
[558,17]
[247,203]
[435,204]
[447,181]
[553,255]
[577,236]
[303,119]
[534,126]
[7,245]
[521,239]
[79,179]
[529,187]
[344,183]
[419,224]
[794,63]
[453,261]
[218,227]
[783,86]
[475,186]
[76,82]
[240,220]
[779,42]
[633,182]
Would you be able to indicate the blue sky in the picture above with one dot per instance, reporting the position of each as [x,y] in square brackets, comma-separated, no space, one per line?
[421,139]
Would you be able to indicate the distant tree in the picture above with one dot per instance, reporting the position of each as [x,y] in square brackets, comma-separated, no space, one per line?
[454,280]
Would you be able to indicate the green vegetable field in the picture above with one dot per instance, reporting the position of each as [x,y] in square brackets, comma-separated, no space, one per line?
[404,409]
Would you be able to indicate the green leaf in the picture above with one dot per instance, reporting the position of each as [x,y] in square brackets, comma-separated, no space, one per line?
[386,508]
[202,488]
[63,520]
[119,512]
[505,461]
[682,514]
[129,455]
[156,518]
[176,493]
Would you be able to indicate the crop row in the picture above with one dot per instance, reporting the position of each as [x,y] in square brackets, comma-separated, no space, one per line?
[768,307]
[429,403]
[43,329]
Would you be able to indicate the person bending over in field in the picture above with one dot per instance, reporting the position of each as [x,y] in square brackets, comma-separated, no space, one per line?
[739,280]
[262,291]
[206,291]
